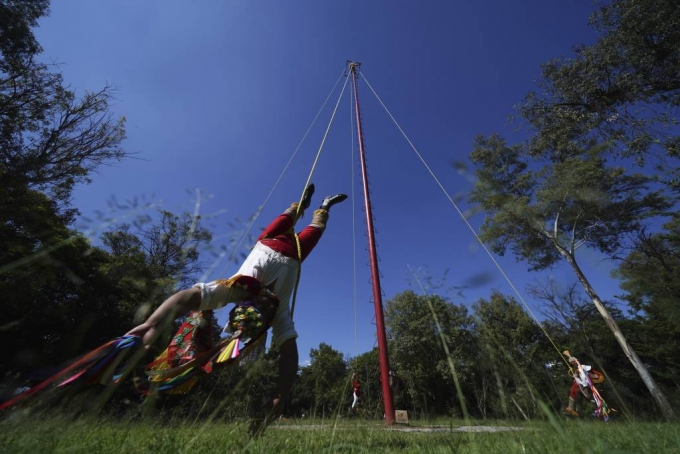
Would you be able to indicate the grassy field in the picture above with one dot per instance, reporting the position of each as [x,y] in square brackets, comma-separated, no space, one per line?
[87,435]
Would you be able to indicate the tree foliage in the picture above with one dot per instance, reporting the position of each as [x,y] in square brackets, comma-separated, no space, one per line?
[546,211]
[421,329]
[622,89]
[63,296]
[17,42]
[509,373]
[50,139]
[170,246]
[556,192]
[650,278]
[324,381]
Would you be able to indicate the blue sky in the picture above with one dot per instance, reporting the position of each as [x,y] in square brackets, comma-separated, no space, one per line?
[218,94]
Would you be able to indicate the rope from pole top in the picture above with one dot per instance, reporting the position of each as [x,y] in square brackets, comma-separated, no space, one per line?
[462,216]
[309,179]
[271,191]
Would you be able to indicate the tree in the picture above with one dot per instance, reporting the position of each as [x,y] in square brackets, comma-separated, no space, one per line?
[17,42]
[62,296]
[574,320]
[510,356]
[324,379]
[49,139]
[171,246]
[429,344]
[135,282]
[37,257]
[545,213]
[650,278]
[623,89]
[53,289]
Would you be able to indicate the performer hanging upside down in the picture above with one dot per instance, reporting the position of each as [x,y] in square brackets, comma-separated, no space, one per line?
[276,263]
[584,376]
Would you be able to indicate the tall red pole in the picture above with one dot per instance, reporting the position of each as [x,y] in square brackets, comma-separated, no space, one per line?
[377,295]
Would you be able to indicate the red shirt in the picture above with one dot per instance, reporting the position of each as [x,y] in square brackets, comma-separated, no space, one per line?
[357,387]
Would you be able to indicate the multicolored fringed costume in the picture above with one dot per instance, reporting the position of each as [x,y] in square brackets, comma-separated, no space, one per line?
[191,353]
[585,379]
[191,339]
[106,365]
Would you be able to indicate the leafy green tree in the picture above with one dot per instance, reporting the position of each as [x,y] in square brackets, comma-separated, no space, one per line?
[367,368]
[168,249]
[63,296]
[49,139]
[173,245]
[623,89]
[429,346]
[148,265]
[545,211]
[650,278]
[134,282]
[42,270]
[510,374]
[324,379]
[17,42]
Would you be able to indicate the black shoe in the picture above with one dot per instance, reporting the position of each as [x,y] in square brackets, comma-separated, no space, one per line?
[331,200]
[307,197]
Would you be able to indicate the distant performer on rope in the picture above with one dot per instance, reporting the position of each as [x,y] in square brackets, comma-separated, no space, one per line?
[275,262]
[585,379]
[356,391]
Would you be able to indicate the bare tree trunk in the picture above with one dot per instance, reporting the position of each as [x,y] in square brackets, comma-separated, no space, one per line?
[520,409]
[557,392]
[481,395]
[661,400]
[501,393]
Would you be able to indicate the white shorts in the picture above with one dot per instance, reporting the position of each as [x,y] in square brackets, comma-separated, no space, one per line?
[268,266]
[356,399]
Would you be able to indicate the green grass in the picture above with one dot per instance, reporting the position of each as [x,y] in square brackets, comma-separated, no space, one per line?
[88,435]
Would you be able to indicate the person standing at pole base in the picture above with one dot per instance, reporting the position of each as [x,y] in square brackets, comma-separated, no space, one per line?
[356,392]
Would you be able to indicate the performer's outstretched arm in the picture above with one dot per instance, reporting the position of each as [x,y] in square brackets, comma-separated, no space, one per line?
[212,295]
[175,306]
